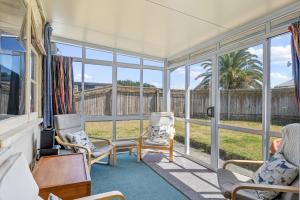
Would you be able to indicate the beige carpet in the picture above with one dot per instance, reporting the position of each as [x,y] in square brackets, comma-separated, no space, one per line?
[192,179]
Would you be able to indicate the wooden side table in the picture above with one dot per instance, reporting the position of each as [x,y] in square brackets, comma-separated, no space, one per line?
[66,176]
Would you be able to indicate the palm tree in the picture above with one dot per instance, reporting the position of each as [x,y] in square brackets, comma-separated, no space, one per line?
[238,70]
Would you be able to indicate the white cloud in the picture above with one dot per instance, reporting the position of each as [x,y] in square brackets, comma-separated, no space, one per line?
[279,54]
[279,77]
[86,77]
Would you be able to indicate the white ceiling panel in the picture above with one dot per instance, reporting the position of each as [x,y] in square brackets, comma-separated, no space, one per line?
[159,28]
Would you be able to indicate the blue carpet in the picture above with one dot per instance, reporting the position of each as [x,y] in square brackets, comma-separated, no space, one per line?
[135,180]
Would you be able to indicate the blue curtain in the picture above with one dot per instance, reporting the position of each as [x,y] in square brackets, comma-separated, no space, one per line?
[47,79]
[295,29]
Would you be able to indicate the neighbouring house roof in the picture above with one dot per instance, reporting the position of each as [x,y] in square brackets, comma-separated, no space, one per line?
[286,84]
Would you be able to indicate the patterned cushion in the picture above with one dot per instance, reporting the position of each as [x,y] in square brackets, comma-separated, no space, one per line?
[82,139]
[276,171]
[159,135]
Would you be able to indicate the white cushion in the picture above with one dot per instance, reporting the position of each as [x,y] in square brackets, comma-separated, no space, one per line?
[276,171]
[159,135]
[16,180]
[82,139]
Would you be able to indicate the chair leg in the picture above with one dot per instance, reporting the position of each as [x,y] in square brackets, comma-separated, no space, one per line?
[138,152]
[171,152]
[115,155]
[130,151]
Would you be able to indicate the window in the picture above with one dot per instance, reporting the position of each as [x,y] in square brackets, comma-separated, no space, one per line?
[283,102]
[99,129]
[99,54]
[97,90]
[12,77]
[128,129]
[67,50]
[153,63]
[128,59]
[77,73]
[153,93]
[240,84]
[178,91]
[200,90]
[128,94]
[33,83]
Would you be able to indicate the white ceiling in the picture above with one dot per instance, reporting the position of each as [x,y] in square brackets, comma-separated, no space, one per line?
[159,28]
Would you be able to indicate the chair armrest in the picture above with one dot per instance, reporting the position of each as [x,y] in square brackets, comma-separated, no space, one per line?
[241,162]
[105,196]
[251,186]
[88,151]
[100,139]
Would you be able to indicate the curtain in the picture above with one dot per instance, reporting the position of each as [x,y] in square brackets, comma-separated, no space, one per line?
[63,85]
[47,80]
[295,47]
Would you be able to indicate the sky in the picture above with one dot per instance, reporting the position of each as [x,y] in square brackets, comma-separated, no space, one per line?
[280,72]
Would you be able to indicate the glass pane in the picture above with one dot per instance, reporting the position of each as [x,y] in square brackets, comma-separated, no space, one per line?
[11,44]
[241,146]
[179,136]
[128,59]
[99,129]
[128,129]
[283,103]
[153,93]
[200,142]
[12,84]
[240,84]
[153,63]
[177,86]
[97,90]
[128,95]
[77,73]
[200,84]
[68,50]
[99,55]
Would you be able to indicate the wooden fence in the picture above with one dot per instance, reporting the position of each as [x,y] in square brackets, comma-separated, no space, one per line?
[242,104]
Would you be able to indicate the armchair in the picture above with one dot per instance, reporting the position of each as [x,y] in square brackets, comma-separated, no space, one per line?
[71,124]
[234,189]
[160,135]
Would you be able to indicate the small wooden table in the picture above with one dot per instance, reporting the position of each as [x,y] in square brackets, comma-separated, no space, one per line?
[66,176]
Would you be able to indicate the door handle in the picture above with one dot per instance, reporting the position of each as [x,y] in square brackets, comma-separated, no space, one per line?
[210,111]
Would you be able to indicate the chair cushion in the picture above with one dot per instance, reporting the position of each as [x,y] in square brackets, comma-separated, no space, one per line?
[16,180]
[53,197]
[159,135]
[276,171]
[290,147]
[82,139]
[100,151]
[227,180]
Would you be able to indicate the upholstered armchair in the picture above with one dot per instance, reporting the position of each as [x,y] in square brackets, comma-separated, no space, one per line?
[160,135]
[68,126]
[234,189]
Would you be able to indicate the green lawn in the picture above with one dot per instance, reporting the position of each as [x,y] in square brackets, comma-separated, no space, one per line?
[233,145]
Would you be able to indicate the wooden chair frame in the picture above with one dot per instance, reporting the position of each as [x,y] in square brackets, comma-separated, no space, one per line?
[91,161]
[105,196]
[169,147]
[252,186]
